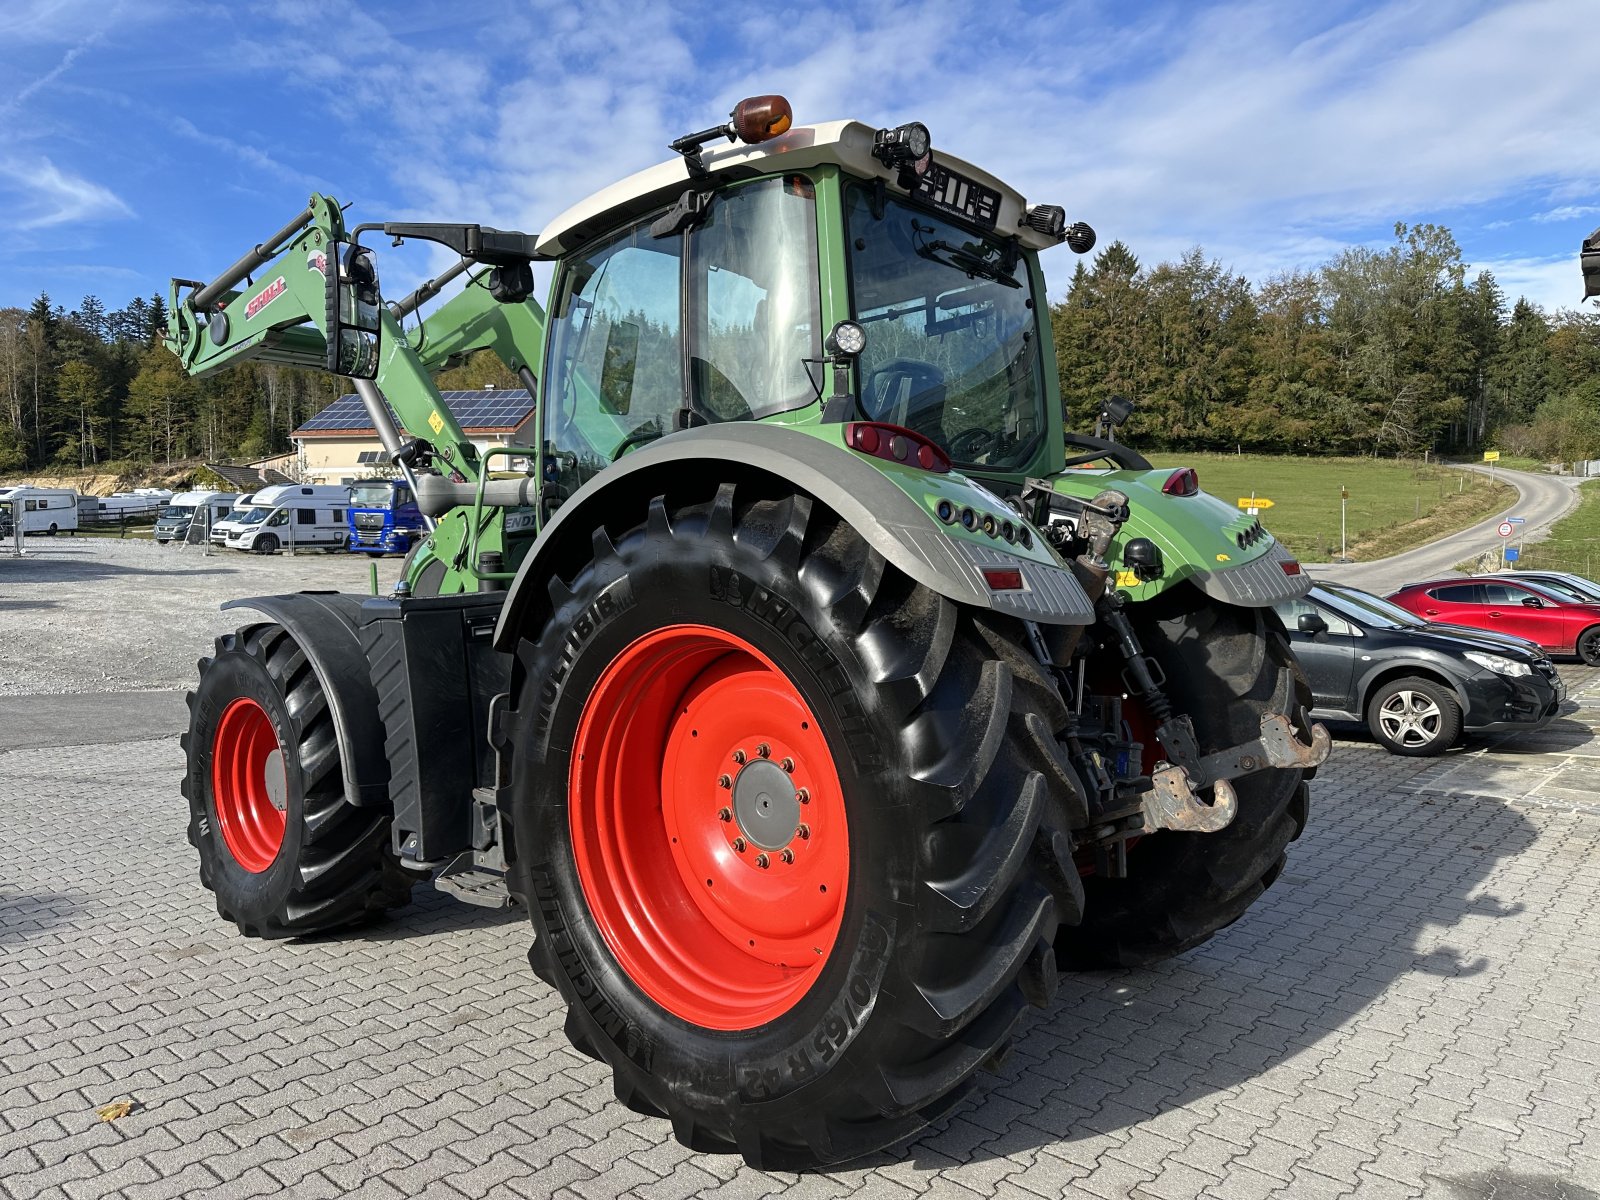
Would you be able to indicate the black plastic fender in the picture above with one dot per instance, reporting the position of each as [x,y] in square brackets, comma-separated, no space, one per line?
[323,624]
[891,521]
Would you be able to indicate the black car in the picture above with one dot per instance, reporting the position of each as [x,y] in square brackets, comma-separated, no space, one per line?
[1415,685]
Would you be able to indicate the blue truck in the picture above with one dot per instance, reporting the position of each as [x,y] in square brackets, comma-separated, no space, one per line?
[384,518]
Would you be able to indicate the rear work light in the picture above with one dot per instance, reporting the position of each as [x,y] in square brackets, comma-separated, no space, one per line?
[896,444]
[1182,482]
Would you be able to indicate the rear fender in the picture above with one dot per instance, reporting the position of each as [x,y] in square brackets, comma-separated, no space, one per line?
[1202,540]
[323,624]
[894,508]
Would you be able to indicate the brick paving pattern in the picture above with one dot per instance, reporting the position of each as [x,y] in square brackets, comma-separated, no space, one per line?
[1412,1010]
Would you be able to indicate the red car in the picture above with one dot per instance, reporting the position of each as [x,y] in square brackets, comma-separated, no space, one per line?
[1558,623]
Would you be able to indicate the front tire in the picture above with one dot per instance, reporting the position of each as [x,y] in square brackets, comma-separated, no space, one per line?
[1417,718]
[805,1011]
[266,544]
[1226,667]
[280,847]
[1588,646]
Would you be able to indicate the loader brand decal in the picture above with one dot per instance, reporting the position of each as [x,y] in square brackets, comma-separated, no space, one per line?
[735,590]
[766,1079]
[613,1024]
[317,260]
[617,598]
[265,297]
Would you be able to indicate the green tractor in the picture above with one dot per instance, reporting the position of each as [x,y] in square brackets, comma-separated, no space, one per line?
[815,691]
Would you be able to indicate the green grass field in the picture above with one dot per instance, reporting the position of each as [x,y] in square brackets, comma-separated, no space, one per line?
[1574,542]
[1393,505]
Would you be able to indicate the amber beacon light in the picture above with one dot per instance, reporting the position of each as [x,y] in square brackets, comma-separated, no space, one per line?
[761,118]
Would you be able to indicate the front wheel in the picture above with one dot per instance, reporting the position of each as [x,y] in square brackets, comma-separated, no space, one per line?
[788,827]
[280,847]
[1414,717]
[266,544]
[1589,646]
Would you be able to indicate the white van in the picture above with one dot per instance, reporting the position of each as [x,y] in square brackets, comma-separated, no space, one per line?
[40,510]
[292,516]
[187,507]
[219,529]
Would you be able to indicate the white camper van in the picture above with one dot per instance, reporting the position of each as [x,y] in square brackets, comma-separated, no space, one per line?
[219,529]
[174,520]
[292,516]
[40,510]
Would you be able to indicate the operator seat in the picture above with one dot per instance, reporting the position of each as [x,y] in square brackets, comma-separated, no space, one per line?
[907,392]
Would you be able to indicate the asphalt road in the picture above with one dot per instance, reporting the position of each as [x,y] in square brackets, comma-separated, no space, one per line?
[1544,500]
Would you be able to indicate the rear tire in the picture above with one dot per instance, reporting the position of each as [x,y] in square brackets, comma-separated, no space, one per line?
[1413,717]
[1588,646]
[280,847]
[1225,667]
[943,828]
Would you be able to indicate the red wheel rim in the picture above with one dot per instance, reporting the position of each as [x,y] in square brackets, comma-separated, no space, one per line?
[248,784]
[708,827]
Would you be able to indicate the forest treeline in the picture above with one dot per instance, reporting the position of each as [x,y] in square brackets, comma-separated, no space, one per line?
[1388,351]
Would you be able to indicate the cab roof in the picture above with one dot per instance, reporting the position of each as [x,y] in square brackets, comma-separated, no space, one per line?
[847,144]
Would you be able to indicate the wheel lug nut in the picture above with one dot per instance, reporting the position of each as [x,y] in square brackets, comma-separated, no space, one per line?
[761,861]
[724,814]
[787,855]
[724,781]
[803,832]
[738,844]
[787,764]
[803,796]
[764,750]
[738,756]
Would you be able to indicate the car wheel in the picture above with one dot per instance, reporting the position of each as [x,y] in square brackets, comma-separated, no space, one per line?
[1414,717]
[1589,646]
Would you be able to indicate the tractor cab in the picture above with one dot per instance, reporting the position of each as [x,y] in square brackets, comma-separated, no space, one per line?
[815,274]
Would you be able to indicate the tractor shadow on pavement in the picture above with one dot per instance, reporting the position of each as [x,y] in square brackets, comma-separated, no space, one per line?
[26,915]
[430,914]
[1374,894]
[36,568]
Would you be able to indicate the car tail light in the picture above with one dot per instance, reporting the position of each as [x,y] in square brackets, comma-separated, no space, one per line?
[895,443]
[1182,482]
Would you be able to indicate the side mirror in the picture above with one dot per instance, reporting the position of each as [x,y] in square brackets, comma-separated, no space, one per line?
[1532,602]
[1312,623]
[354,310]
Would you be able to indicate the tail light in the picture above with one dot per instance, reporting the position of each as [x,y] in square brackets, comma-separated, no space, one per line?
[896,444]
[1290,566]
[1182,482]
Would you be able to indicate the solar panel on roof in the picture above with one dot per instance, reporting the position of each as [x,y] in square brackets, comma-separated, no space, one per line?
[496,409]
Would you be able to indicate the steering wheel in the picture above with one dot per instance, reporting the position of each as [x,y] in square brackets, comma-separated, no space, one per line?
[969,443]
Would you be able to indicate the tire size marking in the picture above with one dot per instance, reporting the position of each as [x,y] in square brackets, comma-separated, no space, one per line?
[768,1079]
[735,590]
[616,598]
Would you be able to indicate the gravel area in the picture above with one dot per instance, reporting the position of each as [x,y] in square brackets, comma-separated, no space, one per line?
[105,615]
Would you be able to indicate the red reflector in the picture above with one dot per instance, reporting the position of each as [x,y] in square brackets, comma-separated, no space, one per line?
[882,440]
[1182,482]
[1290,567]
[1003,579]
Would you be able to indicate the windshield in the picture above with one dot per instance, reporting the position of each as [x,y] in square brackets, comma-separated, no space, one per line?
[1571,589]
[1366,608]
[949,317]
[371,495]
[1550,592]
[176,512]
[252,517]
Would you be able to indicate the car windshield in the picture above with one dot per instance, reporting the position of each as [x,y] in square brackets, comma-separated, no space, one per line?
[176,512]
[371,495]
[254,516]
[1366,608]
[1549,592]
[949,317]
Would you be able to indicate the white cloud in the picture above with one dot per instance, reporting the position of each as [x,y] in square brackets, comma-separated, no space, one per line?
[41,195]
[1567,212]
[1552,283]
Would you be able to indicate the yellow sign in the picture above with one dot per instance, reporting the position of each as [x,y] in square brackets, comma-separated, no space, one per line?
[1223,558]
[1254,502]
[1128,579]
[435,421]
[1491,456]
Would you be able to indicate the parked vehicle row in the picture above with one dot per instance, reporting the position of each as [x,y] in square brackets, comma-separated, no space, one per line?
[1556,616]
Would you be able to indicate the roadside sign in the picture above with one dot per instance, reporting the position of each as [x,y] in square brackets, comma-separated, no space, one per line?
[1491,456]
[1516,520]
[1507,528]
[1512,554]
[1254,502]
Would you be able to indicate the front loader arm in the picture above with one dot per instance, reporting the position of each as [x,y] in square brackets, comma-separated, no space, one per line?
[474,320]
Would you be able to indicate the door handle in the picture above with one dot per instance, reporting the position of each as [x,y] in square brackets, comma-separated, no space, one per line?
[1494,612]
[1430,612]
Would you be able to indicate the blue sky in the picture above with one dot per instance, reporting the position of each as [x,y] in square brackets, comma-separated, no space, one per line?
[146,138]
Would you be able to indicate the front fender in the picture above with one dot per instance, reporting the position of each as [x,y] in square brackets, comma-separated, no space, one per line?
[892,507]
[1202,540]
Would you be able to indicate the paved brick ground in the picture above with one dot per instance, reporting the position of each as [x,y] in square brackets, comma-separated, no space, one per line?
[1413,1010]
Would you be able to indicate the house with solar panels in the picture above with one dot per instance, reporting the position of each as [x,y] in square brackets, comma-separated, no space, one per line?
[339,444]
